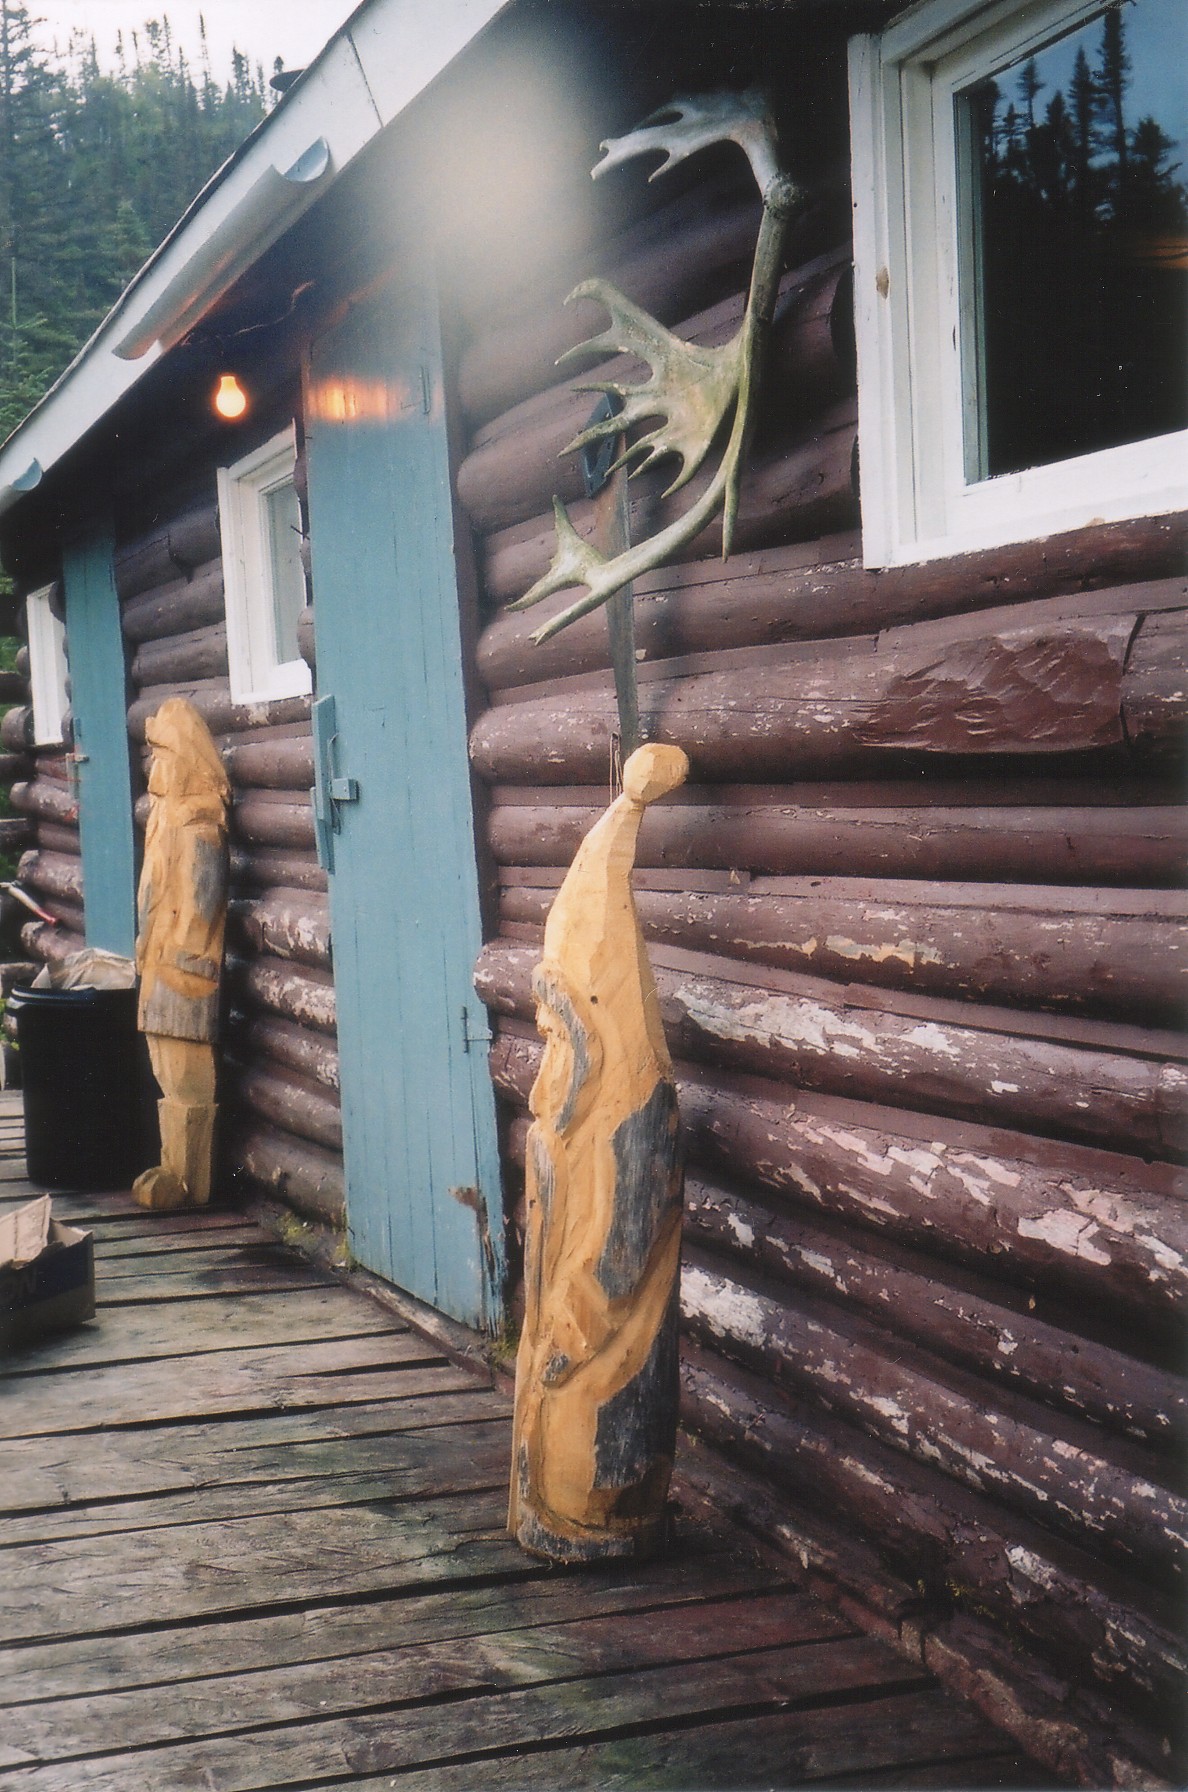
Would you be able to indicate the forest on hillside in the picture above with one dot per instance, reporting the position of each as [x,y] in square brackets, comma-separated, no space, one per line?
[96,165]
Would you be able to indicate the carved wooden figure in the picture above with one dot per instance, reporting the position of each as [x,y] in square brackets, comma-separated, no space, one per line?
[596,1376]
[179,948]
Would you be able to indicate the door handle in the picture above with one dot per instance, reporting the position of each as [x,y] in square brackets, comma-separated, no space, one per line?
[330,789]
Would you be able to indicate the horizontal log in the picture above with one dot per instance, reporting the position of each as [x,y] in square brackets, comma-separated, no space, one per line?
[182,545]
[52,874]
[44,800]
[15,833]
[803,488]
[1125,954]
[177,607]
[215,705]
[271,765]
[517,464]
[1156,688]
[22,661]
[50,945]
[54,838]
[291,924]
[1097,1227]
[952,1542]
[1057,844]
[1056,1472]
[16,728]
[199,653]
[14,687]
[960,1319]
[294,1103]
[1126,1094]
[12,766]
[1021,683]
[257,820]
[284,1042]
[305,995]
[304,1176]
[259,869]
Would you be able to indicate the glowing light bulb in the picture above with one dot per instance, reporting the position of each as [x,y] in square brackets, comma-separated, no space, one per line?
[230,399]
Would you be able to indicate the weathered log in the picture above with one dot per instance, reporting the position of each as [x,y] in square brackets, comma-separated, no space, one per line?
[260,869]
[214,703]
[12,766]
[1066,1476]
[516,464]
[302,1175]
[49,944]
[271,764]
[1110,1086]
[265,818]
[199,653]
[52,874]
[287,923]
[157,557]
[1156,690]
[1095,1226]
[16,728]
[54,764]
[51,838]
[14,687]
[285,1099]
[951,1541]
[15,833]
[1121,953]
[802,489]
[305,995]
[959,1317]
[307,645]
[284,1042]
[44,800]
[1019,685]
[22,661]
[178,607]
[1130,846]
[70,916]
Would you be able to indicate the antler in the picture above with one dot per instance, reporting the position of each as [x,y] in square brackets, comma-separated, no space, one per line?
[689,123]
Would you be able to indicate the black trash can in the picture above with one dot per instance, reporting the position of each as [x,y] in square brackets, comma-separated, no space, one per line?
[83,1071]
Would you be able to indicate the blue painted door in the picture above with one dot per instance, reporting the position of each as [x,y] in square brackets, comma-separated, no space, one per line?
[422,1167]
[98,696]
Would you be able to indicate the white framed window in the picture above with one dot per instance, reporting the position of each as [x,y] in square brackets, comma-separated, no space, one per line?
[1021,270]
[263,579]
[47,668]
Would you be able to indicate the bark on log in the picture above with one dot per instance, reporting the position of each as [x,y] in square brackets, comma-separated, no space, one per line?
[44,800]
[284,1042]
[158,556]
[306,996]
[1051,1469]
[271,765]
[1121,953]
[1134,847]
[52,874]
[962,1319]
[294,1103]
[260,869]
[925,1056]
[949,1540]
[16,728]
[258,820]
[516,464]
[800,490]
[1019,685]
[178,607]
[50,945]
[1066,1220]
[303,1176]
[290,924]
[199,653]
[215,705]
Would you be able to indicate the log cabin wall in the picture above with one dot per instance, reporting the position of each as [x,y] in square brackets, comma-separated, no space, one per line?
[283,1130]
[920,945]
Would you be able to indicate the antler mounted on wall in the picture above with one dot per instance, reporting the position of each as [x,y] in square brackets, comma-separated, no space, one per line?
[690,390]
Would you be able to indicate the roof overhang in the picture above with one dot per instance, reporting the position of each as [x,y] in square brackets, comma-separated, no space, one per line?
[385,55]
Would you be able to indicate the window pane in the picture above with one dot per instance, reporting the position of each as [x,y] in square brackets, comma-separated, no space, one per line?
[288,581]
[1075,243]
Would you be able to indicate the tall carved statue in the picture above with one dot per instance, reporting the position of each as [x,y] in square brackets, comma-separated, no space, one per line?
[179,948]
[596,1375]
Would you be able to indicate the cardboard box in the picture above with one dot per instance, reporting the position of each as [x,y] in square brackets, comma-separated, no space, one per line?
[47,1274]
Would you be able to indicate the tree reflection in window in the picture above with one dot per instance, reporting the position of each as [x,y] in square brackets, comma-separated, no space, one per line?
[1075,244]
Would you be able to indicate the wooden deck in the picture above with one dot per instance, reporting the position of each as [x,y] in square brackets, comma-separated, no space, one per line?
[253,1538]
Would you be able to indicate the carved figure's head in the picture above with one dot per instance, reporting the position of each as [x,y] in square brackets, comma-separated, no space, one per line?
[186,762]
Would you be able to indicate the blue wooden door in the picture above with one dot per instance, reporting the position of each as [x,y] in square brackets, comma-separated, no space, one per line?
[422,1166]
[98,698]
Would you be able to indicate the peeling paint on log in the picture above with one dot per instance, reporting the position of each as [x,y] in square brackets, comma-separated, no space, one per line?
[271,764]
[295,1103]
[286,923]
[53,874]
[304,1176]
[284,1042]
[44,800]
[214,703]
[306,996]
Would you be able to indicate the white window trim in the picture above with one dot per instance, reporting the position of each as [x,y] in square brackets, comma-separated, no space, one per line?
[47,669]
[256,674]
[916,502]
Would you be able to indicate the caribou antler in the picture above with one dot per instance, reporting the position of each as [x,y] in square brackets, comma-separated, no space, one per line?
[691,390]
